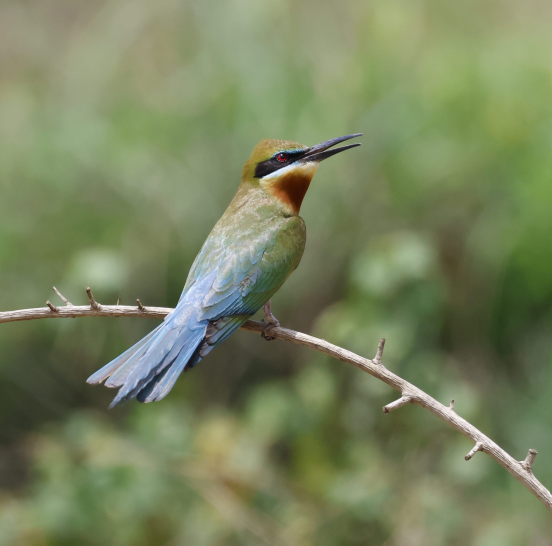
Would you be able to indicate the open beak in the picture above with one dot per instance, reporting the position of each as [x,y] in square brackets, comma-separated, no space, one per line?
[321,151]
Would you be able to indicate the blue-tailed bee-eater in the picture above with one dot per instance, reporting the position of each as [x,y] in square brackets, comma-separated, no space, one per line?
[246,258]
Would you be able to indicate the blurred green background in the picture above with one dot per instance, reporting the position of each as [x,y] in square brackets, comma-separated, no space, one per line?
[123,129]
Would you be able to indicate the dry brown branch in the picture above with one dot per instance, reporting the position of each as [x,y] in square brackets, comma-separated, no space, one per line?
[63,298]
[93,303]
[404,399]
[521,470]
[477,447]
[52,307]
[379,352]
[529,460]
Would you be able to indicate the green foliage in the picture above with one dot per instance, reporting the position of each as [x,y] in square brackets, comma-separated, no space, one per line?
[123,130]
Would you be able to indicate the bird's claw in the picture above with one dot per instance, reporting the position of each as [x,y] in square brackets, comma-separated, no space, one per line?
[271,322]
[267,328]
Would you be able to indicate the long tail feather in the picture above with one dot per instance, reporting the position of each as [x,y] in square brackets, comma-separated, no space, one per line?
[176,343]
[161,385]
[120,376]
[115,364]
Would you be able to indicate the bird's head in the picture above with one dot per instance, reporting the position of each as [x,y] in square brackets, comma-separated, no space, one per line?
[285,168]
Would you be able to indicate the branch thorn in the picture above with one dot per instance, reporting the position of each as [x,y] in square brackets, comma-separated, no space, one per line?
[529,460]
[477,447]
[451,406]
[140,306]
[379,352]
[93,303]
[63,298]
[404,399]
[52,307]
[118,301]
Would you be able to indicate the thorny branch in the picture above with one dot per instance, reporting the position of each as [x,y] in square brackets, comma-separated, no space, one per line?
[410,394]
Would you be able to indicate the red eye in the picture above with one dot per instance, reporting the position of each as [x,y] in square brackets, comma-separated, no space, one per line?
[281,157]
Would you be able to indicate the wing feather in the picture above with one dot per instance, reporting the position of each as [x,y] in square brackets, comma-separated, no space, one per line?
[250,274]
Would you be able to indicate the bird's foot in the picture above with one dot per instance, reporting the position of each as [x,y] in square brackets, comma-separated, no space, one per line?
[271,322]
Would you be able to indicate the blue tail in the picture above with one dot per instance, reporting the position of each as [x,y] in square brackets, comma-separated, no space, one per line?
[149,369]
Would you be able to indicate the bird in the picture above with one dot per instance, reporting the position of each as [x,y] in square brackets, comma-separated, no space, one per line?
[254,247]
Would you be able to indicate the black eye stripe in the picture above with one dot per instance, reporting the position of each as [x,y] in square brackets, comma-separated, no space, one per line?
[273,164]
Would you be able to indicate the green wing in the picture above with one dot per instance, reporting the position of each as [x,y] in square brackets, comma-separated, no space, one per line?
[249,268]
[246,271]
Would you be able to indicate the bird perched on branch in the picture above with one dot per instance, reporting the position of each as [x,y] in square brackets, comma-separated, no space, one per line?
[251,251]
